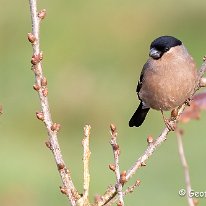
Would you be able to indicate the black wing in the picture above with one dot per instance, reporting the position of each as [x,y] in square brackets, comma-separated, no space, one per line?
[139,85]
[141,79]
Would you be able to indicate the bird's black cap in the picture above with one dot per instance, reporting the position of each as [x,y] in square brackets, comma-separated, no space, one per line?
[161,45]
[164,43]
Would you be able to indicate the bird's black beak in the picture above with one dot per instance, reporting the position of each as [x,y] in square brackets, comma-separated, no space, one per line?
[154,53]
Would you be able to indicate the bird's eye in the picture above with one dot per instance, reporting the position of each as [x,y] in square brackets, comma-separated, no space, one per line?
[167,49]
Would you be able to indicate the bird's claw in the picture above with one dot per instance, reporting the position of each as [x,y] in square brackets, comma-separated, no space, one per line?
[170,123]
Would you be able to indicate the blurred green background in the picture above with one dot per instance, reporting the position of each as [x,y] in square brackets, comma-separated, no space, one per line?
[93,54]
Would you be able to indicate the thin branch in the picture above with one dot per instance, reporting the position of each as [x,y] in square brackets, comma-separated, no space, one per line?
[201,73]
[104,199]
[152,146]
[86,156]
[120,179]
[185,167]
[126,192]
[132,188]
[45,115]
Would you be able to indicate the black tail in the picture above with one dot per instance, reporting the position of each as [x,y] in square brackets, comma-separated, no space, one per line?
[139,116]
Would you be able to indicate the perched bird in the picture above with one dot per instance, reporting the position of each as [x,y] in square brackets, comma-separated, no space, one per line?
[167,79]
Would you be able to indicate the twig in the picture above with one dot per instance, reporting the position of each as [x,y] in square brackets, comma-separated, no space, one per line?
[86,156]
[120,179]
[41,87]
[185,166]
[127,191]
[132,188]
[104,199]
[201,73]
[152,146]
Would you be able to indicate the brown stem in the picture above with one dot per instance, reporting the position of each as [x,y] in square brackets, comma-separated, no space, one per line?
[119,177]
[185,167]
[41,87]
[86,156]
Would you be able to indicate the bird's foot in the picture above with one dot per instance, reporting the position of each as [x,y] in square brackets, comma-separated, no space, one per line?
[170,123]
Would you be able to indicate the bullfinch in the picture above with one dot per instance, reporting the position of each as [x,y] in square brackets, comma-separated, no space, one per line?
[167,79]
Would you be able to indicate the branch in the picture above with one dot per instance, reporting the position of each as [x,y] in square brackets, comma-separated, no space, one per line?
[86,156]
[41,87]
[200,76]
[126,192]
[153,145]
[185,166]
[120,178]
[131,188]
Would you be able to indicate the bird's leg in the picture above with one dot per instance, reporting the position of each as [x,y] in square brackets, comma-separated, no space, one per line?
[171,125]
